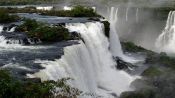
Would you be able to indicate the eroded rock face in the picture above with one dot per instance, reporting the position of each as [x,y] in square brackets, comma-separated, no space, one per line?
[122,65]
[107,28]
[19,38]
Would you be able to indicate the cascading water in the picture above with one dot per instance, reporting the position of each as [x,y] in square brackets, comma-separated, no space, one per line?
[137,15]
[1,28]
[9,37]
[115,45]
[12,29]
[67,8]
[6,42]
[127,10]
[90,64]
[166,40]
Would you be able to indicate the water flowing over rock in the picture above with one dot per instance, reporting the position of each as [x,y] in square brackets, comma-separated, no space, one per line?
[115,45]
[10,38]
[166,40]
[90,64]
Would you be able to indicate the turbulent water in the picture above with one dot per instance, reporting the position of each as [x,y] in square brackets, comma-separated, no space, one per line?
[4,41]
[166,40]
[89,63]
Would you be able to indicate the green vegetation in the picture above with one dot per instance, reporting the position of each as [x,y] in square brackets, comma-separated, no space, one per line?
[151,72]
[77,11]
[161,59]
[138,94]
[44,32]
[159,86]
[13,88]
[6,18]
[158,79]
[131,47]
[23,2]
[152,57]
[107,28]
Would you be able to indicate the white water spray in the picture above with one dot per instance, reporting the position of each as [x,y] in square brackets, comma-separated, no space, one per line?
[1,28]
[67,8]
[166,40]
[115,45]
[89,63]
[12,29]
[137,15]
[127,10]
[45,8]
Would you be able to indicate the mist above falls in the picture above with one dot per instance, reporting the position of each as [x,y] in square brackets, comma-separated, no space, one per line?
[137,21]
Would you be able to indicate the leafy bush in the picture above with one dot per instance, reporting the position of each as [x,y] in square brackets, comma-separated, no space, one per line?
[12,88]
[77,11]
[6,18]
[151,72]
[28,25]
[44,32]
[50,34]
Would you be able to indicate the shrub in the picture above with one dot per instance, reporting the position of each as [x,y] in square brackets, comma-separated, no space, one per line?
[13,88]
[6,18]
[50,34]
[28,25]
[151,72]
[44,32]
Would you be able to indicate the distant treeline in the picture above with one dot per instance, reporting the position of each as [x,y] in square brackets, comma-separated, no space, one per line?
[23,2]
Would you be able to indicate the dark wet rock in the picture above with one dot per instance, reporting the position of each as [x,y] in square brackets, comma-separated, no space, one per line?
[33,80]
[94,19]
[5,28]
[114,95]
[122,64]
[25,58]
[75,35]
[20,37]
[107,28]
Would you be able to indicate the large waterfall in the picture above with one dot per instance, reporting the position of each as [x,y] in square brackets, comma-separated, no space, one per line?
[115,46]
[89,63]
[166,40]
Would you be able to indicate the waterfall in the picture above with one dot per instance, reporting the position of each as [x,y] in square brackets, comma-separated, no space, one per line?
[66,8]
[115,45]
[166,40]
[127,10]
[1,28]
[10,38]
[44,8]
[89,63]
[11,29]
[137,15]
